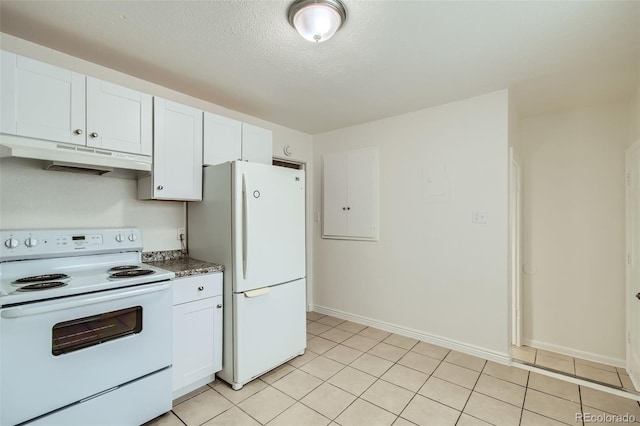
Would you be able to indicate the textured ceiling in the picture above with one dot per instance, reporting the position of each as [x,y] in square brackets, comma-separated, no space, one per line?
[390,57]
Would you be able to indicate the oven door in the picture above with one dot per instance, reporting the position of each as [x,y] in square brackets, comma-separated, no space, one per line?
[58,352]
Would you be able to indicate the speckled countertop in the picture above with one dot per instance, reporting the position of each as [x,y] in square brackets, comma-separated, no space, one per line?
[183,266]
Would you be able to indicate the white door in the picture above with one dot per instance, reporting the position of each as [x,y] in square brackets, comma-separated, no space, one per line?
[633,261]
[361,193]
[257,144]
[118,118]
[177,156]
[334,203]
[269,328]
[194,343]
[41,101]
[515,243]
[269,227]
[222,139]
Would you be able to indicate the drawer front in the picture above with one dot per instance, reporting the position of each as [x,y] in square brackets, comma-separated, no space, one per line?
[198,287]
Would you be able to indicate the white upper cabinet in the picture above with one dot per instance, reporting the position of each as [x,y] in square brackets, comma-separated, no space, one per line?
[118,118]
[47,102]
[177,154]
[226,139]
[222,139]
[350,195]
[41,101]
[257,144]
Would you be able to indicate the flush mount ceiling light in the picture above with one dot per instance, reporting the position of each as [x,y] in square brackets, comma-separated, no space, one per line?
[317,20]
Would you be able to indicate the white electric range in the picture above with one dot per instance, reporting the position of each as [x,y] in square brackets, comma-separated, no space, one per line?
[85,329]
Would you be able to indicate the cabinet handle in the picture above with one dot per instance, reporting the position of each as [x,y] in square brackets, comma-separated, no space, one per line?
[93,134]
[78,131]
[160,187]
[200,288]
[219,306]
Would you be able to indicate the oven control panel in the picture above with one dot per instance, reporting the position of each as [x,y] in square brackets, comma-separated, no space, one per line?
[40,243]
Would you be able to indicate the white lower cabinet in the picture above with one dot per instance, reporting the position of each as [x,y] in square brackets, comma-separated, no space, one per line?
[197,331]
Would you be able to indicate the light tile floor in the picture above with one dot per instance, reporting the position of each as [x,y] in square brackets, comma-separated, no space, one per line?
[602,373]
[356,375]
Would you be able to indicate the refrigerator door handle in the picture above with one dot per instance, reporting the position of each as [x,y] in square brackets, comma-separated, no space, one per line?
[244,226]
[257,292]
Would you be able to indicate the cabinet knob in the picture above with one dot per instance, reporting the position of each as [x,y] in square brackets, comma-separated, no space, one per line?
[93,134]
[160,187]
[348,208]
[219,306]
[78,131]
[344,208]
[200,288]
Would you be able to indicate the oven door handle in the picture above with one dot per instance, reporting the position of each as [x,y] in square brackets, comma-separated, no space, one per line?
[80,300]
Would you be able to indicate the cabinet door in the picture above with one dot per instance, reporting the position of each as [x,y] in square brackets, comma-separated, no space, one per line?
[194,331]
[257,144]
[334,191]
[41,101]
[118,118]
[177,154]
[362,193]
[350,194]
[222,139]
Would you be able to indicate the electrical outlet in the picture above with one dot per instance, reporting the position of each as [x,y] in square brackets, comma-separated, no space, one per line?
[181,232]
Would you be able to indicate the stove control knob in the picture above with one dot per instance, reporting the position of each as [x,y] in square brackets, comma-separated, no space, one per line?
[132,237]
[119,238]
[31,242]
[11,243]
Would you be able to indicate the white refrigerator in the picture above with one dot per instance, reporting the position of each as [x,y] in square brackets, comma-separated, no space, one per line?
[252,219]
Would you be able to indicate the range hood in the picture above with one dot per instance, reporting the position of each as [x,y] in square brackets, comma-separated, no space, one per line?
[76,158]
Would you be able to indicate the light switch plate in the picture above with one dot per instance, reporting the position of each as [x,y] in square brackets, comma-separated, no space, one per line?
[478,216]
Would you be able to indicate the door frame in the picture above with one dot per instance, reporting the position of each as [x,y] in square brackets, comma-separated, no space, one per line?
[631,257]
[515,245]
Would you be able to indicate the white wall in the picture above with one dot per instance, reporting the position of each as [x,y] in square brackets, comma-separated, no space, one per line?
[433,274]
[574,241]
[31,197]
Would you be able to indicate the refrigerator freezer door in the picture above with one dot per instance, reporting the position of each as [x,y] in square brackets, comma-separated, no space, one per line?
[269,329]
[269,225]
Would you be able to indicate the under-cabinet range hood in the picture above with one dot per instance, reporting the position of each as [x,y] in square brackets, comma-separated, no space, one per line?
[71,157]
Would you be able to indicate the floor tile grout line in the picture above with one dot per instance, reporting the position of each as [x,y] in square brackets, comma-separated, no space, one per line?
[368,387]
[416,393]
[178,417]
[380,378]
[300,400]
[524,400]
[471,393]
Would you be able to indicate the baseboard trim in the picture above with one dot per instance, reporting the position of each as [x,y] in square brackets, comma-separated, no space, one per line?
[589,356]
[502,358]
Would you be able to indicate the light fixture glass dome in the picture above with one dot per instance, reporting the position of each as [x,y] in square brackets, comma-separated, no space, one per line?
[317,20]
